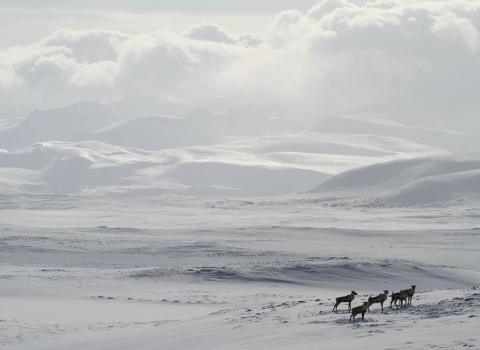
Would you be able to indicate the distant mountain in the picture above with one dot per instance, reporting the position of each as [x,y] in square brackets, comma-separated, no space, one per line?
[146,105]
[248,120]
[374,124]
[411,181]
[195,128]
[59,124]
[142,106]
[160,132]
[244,120]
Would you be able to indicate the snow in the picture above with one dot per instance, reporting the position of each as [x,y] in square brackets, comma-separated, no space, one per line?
[414,181]
[207,230]
[373,124]
[187,155]
[159,132]
[142,272]
[266,166]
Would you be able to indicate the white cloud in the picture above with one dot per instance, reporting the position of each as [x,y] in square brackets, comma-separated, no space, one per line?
[451,25]
[210,32]
[90,46]
[335,56]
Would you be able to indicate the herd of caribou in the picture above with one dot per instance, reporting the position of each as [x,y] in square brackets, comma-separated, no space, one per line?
[402,296]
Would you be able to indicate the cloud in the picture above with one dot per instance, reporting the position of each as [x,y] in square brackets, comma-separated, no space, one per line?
[421,58]
[452,25]
[210,32]
[90,46]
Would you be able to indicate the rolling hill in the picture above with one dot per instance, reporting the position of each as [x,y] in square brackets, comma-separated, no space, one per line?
[409,182]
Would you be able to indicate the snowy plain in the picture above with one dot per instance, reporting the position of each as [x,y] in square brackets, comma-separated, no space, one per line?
[183,273]
[219,239]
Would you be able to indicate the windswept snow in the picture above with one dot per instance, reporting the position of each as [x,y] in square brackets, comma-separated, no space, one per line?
[374,124]
[247,167]
[123,272]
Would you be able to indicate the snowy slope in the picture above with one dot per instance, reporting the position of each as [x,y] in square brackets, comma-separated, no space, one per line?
[159,132]
[253,166]
[330,153]
[59,124]
[374,124]
[413,181]
[57,167]
[95,167]
[205,154]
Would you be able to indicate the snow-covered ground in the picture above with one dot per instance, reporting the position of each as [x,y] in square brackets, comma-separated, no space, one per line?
[170,272]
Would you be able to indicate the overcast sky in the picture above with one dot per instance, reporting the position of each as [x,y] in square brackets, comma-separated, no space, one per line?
[19,17]
[178,6]
[420,58]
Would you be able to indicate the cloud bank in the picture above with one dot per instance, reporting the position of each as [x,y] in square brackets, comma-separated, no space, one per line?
[420,58]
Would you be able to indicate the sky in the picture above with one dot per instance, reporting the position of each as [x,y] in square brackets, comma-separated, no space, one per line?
[415,61]
[134,17]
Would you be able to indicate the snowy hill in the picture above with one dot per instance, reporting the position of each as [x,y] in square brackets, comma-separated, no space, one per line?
[120,162]
[59,124]
[95,168]
[159,132]
[61,167]
[413,181]
[374,124]
[84,149]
